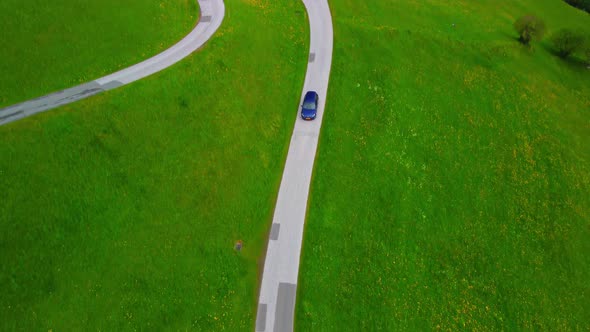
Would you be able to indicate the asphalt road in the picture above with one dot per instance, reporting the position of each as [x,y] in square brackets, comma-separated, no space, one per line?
[276,304]
[212,12]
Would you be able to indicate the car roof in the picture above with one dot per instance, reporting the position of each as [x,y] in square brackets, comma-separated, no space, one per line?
[310,95]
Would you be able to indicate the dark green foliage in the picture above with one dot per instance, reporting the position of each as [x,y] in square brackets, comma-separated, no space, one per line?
[529,28]
[567,42]
[581,4]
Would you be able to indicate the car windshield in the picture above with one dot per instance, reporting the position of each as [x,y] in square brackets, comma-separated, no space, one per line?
[309,105]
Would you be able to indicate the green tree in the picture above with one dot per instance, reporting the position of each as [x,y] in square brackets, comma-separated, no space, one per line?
[529,28]
[567,42]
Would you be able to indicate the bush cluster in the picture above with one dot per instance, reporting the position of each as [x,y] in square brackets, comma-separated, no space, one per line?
[565,42]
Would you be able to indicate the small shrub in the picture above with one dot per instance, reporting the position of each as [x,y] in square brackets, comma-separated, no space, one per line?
[567,42]
[529,28]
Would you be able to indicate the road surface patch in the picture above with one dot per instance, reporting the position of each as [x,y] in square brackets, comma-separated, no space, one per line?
[285,307]
[261,317]
[274,231]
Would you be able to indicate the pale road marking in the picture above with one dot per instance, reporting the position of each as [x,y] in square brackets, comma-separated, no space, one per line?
[212,13]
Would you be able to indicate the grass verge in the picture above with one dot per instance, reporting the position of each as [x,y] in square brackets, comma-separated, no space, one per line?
[451,189]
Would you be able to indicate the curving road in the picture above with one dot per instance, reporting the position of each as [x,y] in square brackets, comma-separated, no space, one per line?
[212,12]
[276,304]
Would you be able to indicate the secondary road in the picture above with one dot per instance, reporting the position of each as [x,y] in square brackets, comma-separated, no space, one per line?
[276,304]
[212,12]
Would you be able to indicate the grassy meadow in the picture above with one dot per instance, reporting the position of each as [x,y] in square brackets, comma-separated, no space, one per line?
[451,187]
[52,45]
[120,212]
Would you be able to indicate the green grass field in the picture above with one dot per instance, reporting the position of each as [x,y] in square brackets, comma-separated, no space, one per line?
[52,45]
[451,189]
[120,212]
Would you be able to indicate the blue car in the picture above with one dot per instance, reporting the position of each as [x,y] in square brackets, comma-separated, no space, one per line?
[309,109]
